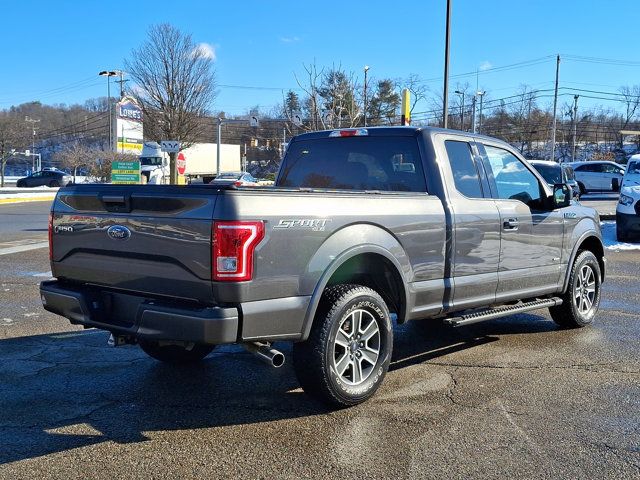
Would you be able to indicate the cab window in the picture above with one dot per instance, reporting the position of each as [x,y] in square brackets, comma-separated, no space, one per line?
[514,181]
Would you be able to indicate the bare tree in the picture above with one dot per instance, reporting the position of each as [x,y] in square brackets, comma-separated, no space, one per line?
[74,156]
[11,136]
[417,89]
[631,102]
[174,84]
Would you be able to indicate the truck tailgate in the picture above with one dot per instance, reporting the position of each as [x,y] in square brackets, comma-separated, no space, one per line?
[154,240]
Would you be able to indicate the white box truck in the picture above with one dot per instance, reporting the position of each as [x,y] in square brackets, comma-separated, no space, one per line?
[200,158]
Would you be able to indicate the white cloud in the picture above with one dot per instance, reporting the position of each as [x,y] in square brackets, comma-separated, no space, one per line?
[486,65]
[206,50]
[289,39]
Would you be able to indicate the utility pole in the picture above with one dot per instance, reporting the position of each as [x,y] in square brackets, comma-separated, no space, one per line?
[555,106]
[575,127]
[122,81]
[33,122]
[445,90]
[366,69]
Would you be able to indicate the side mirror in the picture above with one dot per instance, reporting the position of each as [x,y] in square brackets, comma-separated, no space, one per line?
[561,197]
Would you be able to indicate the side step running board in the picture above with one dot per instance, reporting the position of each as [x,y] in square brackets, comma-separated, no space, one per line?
[502,311]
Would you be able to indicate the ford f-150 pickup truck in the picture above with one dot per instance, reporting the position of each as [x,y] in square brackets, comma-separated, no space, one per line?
[363,228]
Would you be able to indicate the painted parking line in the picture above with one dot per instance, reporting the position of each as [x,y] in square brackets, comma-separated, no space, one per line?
[47,198]
[23,248]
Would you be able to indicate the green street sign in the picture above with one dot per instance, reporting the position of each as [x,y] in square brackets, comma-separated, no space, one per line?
[125,172]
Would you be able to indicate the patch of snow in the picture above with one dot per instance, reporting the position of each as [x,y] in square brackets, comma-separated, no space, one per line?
[610,240]
[28,195]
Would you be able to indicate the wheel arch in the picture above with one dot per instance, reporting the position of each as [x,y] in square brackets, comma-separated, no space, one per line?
[591,242]
[370,265]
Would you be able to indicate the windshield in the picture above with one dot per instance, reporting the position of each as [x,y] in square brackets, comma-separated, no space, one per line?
[633,168]
[552,174]
[569,174]
[155,161]
[228,176]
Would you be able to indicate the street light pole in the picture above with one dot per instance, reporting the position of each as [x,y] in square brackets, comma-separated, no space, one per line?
[575,127]
[366,69]
[480,93]
[555,106]
[461,109]
[108,74]
[445,90]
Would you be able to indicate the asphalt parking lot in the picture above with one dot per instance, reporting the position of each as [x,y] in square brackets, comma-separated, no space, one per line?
[509,398]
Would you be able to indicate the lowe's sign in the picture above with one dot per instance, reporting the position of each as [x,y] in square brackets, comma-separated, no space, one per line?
[129,110]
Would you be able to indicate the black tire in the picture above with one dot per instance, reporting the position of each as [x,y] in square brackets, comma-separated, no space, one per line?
[20,184]
[175,354]
[54,183]
[573,312]
[582,189]
[316,361]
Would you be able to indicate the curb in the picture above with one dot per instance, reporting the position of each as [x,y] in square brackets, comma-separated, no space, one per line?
[27,199]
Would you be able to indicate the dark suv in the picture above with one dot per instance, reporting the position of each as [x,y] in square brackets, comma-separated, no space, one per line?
[46,178]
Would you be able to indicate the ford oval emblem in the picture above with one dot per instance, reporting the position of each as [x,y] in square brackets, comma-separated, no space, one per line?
[118,232]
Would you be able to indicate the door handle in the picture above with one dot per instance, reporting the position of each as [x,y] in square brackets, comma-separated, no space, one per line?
[510,224]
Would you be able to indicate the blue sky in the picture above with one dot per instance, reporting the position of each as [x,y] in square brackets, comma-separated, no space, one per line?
[52,50]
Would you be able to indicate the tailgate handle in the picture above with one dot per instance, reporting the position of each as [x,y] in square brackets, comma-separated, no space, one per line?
[116,203]
[114,199]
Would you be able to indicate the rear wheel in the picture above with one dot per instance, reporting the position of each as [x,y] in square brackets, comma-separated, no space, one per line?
[169,353]
[582,298]
[54,183]
[347,354]
[582,189]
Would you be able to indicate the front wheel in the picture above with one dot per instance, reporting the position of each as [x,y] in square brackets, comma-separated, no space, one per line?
[582,298]
[347,354]
[170,353]
[54,183]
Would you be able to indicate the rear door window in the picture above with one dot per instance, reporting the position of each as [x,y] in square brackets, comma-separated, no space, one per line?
[464,169]
[354,163]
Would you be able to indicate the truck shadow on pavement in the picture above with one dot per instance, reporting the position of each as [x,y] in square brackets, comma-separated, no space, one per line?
[63,391]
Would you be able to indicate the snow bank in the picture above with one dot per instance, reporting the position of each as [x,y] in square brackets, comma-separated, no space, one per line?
[610,241]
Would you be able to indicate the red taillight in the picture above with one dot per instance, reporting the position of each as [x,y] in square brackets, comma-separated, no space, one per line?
[232,250]
[50,235]
[237,184]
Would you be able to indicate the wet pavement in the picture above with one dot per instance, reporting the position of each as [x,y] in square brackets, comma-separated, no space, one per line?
[510,398]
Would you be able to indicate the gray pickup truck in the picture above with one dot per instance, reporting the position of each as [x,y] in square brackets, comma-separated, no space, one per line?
[363,227]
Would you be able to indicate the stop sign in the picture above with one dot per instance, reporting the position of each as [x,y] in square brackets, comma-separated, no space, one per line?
[181,163]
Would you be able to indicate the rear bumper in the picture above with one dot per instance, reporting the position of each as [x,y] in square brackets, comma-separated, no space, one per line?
[125,314]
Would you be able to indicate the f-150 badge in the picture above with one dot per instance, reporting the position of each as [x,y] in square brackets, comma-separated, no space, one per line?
[313,224]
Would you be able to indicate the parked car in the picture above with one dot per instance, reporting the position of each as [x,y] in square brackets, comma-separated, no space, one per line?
[239,179]
[598,176]
[555,173]
[628,209]
[363,228]
[45,178]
